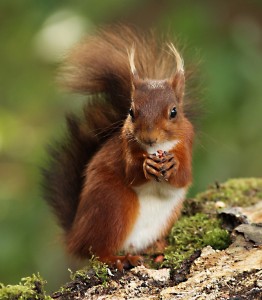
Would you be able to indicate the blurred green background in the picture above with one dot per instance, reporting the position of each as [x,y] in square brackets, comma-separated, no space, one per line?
[226,35]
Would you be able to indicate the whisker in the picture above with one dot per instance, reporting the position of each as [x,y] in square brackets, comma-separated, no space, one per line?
[111,126]
[106,127]
[107,130]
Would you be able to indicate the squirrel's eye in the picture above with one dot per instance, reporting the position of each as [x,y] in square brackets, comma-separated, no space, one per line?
[131,113]
[173,113]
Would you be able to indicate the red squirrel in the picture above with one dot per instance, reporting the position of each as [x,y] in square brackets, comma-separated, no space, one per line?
[118,181]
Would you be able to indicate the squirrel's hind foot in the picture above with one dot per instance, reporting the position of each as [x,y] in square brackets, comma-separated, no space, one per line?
[124,262]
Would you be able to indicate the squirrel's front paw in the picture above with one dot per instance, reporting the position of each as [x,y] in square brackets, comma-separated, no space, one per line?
[159,166]
[152,167]
[169,166]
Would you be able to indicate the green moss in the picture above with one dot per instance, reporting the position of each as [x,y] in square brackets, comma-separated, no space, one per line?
[101,270]
[234,192]
[193,233]
[30,288]
[95,273]
[94,267]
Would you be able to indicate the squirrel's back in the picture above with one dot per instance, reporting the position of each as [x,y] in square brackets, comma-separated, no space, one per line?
[99,68]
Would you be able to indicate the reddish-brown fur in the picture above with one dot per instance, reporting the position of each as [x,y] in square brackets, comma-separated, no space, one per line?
[106,156]
[107,206]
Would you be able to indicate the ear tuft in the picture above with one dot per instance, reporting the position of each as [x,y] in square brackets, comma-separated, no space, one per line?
[178,80]
[131,58]
[179,60]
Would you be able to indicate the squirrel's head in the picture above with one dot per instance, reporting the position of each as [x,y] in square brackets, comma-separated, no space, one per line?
[156,113]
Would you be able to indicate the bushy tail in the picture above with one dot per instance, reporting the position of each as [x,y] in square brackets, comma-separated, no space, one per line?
[64,174]
[99,68]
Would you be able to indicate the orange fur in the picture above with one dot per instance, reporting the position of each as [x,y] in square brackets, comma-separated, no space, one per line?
[91,184]
[107,206]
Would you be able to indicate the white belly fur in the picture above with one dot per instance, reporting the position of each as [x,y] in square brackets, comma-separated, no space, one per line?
[157,202]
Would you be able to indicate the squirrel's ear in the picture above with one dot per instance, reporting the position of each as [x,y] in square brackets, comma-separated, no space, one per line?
[178,84]
[178,80]
[133,71]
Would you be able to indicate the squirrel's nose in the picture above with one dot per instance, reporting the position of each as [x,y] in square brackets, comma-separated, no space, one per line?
[149,142]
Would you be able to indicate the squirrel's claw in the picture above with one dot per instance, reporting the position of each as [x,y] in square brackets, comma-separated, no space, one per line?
[151,170]
[159,168]
[128,261]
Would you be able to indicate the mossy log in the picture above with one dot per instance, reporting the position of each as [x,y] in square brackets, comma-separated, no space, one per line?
[197,248]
